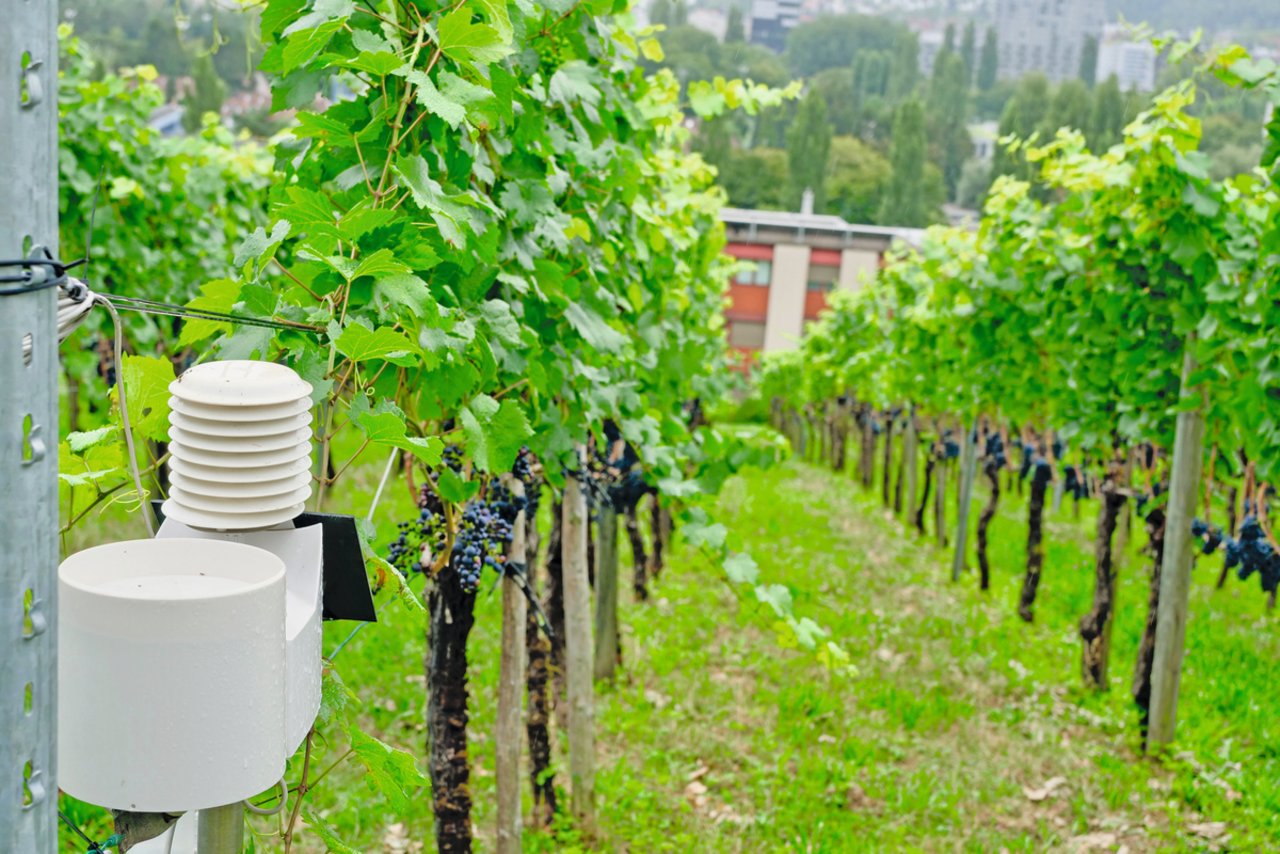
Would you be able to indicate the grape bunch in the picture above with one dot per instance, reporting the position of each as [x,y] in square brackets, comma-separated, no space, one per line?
[993,451]
[1028,460]
[1211,535]
[483,534]
[483,530]
[1251,553]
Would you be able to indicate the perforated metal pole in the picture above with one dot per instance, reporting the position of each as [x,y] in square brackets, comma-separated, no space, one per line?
[221,830]
[28,432]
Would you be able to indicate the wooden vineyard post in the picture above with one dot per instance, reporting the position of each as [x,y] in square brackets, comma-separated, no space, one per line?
[1175,580]
[968,465]
[606,649]
[511,686]
[912,463]
[578,652]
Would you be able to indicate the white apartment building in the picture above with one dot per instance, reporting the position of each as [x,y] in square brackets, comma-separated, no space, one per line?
[1045,35]
[1132,62]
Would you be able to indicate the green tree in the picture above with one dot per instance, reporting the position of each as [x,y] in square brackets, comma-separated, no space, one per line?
[660,12]
[969,51]
[904,201]
[989,61]
[833,41]
[948,113]
[836,87]
[735,32]
[679,13]
[693,54]
[808,144]
[905,70]
[857,175]
[1089,61]
[755,179]
[1025,114]
[1072,107]
[1106,123]
[949,38]
[207,92]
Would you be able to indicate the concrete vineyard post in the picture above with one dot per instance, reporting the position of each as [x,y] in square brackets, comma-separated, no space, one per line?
[968,466]
[1175,580]
[511,686]
[578,651]
[606,649]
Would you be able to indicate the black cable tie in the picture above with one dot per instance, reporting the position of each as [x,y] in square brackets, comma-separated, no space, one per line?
[37,274]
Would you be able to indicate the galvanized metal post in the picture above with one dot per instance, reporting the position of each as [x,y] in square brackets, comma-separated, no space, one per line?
[28,432]
[221,830]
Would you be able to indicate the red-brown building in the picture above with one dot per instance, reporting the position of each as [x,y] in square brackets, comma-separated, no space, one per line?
[797,259]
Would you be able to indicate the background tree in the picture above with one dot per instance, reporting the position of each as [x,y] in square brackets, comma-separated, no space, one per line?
[906,67]
[207,92]
[833,41]
[989,62]
[949,38]
[836,87]
[679,13]
[1071,107]
[1106,123]
[1025,114]
[808,144]
[904,201]
[755,179]
[948,111]
[1089,61]
[969,51]
[660,12]
[857,177]
[735,31]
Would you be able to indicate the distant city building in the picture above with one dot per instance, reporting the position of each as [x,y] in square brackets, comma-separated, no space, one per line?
[711,21]
[984,136]
[931,42]
[1132,62]
[1045,35]
[771,20]
[797,259]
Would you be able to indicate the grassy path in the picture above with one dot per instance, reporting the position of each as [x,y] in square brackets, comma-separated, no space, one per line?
[963,729]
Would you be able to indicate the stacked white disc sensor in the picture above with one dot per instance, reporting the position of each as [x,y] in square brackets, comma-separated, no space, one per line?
[240,449]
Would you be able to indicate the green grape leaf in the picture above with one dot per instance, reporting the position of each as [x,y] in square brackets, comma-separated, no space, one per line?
[741,568]
[327,835]
[146,384]
[593,328]
[360,343]
[454,489]
[384,424]
[494,432]
[463,40]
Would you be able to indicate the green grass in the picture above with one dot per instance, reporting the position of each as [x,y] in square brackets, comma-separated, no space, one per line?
[716,739]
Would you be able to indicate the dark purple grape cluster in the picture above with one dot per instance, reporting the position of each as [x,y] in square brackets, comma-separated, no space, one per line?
[1257,555]
[406,552]
[1210,535]
[1028,460]
[1251,553]
[483,535]
[993,451]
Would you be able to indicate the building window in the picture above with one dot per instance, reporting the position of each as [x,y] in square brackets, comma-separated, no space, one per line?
[760,273]
[822,278]
[746,335]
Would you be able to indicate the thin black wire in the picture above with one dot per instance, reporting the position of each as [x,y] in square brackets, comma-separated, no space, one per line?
[148,306]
